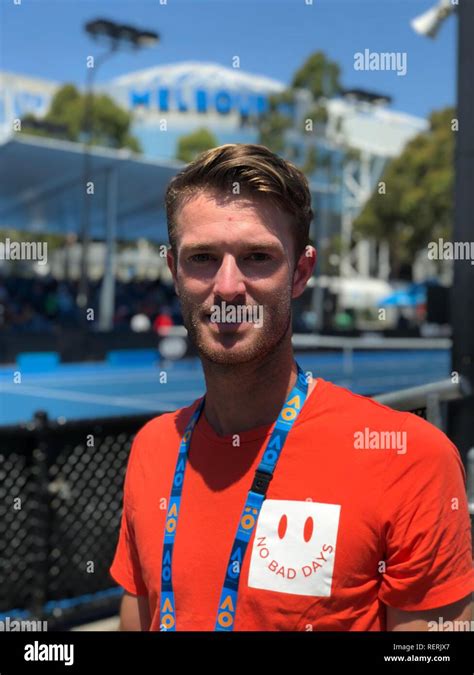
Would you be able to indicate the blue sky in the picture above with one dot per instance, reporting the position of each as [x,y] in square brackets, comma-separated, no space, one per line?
[45,38]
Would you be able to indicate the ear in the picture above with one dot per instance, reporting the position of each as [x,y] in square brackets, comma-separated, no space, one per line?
[303,270]
[172,265]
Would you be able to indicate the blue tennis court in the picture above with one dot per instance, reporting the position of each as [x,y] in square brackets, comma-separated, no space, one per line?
[133,383]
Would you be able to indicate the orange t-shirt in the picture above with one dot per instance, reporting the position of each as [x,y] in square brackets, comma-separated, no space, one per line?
[350,522]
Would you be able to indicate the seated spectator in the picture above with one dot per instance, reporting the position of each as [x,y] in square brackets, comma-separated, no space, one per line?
[163,321]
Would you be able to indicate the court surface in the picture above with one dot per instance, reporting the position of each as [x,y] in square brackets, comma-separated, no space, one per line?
[85,390]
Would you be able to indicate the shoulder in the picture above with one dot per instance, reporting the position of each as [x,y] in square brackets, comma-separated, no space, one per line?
[152,449]
[350,411]
[158,434]
[430,444]
[333,399]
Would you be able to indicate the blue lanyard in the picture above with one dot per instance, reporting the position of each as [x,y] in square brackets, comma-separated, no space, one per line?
[255,498]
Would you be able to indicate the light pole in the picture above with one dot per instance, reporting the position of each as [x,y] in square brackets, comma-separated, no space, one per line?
[115,36]
[461,420]
[462,298]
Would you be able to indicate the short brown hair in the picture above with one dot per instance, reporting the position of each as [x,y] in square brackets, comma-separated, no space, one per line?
[259,173]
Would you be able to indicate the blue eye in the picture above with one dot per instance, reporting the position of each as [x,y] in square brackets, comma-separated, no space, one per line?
[263,256]
[198,257]
[205,257]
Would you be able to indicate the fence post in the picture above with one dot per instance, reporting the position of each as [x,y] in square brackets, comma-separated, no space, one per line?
[41,522]
[433,410]
[348,360]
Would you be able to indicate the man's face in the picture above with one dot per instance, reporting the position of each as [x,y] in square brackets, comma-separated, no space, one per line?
[237,255]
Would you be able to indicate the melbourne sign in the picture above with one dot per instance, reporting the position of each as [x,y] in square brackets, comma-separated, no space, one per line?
[222,101]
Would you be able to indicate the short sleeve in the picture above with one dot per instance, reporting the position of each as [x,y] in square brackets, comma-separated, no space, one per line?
[125,568]
[425,522]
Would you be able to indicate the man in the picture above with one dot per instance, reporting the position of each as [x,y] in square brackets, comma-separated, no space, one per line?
[357,519]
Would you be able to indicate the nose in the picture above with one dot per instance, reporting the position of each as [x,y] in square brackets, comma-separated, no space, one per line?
[229,280]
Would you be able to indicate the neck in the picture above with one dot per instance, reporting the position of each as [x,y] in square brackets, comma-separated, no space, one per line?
[244,396]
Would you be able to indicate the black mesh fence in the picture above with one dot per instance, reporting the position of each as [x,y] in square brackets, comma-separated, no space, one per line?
[61,488]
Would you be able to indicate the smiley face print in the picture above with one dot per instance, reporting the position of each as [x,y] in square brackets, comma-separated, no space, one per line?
[294,547]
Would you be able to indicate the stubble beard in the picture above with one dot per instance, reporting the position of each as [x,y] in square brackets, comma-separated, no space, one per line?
[230,350]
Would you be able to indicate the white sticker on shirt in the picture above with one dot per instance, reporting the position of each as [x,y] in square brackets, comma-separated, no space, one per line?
[294,547]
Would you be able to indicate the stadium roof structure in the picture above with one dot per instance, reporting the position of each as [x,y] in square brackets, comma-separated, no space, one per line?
[42,185]
[199,74]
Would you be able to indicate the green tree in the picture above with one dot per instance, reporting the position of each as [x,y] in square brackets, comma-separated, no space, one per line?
[67,119]
[320,77]
[417,205]
[276,121]
[193,144]
[311,161]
